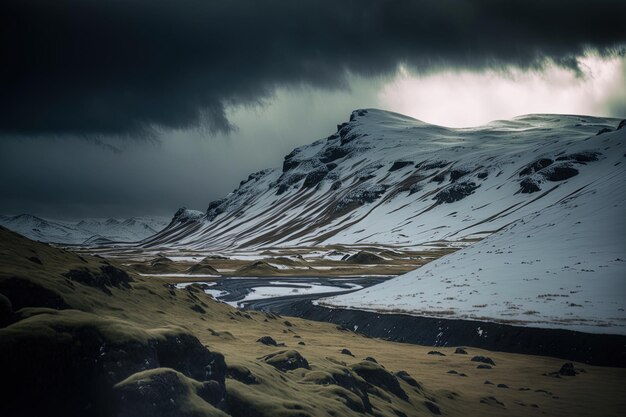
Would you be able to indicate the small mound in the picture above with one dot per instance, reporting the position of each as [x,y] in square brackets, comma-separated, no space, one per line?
[241,374]
[256,268]
[164,392]
[267,340]
[404,375]
[203,267]
[492,401]
[379,377]
[286,360]
[364,257]
[108,276]
[483,359]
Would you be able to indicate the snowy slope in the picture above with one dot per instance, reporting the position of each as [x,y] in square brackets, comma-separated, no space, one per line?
[86,231]
[563,266]
[384,178]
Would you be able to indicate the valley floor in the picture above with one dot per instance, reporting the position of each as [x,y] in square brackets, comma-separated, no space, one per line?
[82,335]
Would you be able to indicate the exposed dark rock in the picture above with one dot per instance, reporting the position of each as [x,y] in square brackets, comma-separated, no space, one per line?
[332,153]
[535,166]
[436,353]
[502,386]
[404,375]
[487,382]
[559,173]
[267,340]
[453,372]
[622,124]
[493,401]
[331,166]
[183,215]
[160,393]
[346,133]
[357,113]
[378,376]
[215,208]
[35,260]
[347,380]
[301,343]
[71,362]
[415,188]
[529,185]
[460,351]
[370,359]
[286,360]
[604,130]
[455,192]
[399,165]
[483,366]
[432,407]
[286,182]
[581,157]
[455,174]
[482,175]
[345,351]
[108,276]
[432,165]
[289,164]
[341,126]
[336,185]
[595,349]
[315,177]
[24,293]
[198,309]
[6,311]
[253,177]
[439,178]
[186,354]
[483,359]
[241,374]
[568,369]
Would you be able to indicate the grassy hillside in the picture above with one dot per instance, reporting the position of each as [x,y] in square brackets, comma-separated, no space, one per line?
[82,336]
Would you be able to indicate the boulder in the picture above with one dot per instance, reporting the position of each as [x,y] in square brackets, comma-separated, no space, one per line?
[286,360]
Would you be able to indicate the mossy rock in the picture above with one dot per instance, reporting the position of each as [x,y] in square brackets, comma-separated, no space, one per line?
[376,375]
[286,360]
[164,392]
[70,360]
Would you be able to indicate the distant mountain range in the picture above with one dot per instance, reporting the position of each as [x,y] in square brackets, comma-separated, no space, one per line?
[86,231]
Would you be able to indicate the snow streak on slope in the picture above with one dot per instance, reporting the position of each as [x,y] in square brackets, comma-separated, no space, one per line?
[384,178]
[87,231]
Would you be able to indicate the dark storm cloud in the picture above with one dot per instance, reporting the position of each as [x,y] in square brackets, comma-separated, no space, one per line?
[123,67]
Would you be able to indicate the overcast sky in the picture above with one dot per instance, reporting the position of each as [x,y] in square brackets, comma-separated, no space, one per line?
[137,107]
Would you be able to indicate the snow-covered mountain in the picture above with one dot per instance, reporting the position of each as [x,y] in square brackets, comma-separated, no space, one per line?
[548,192]
[86,231]
[388,178]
